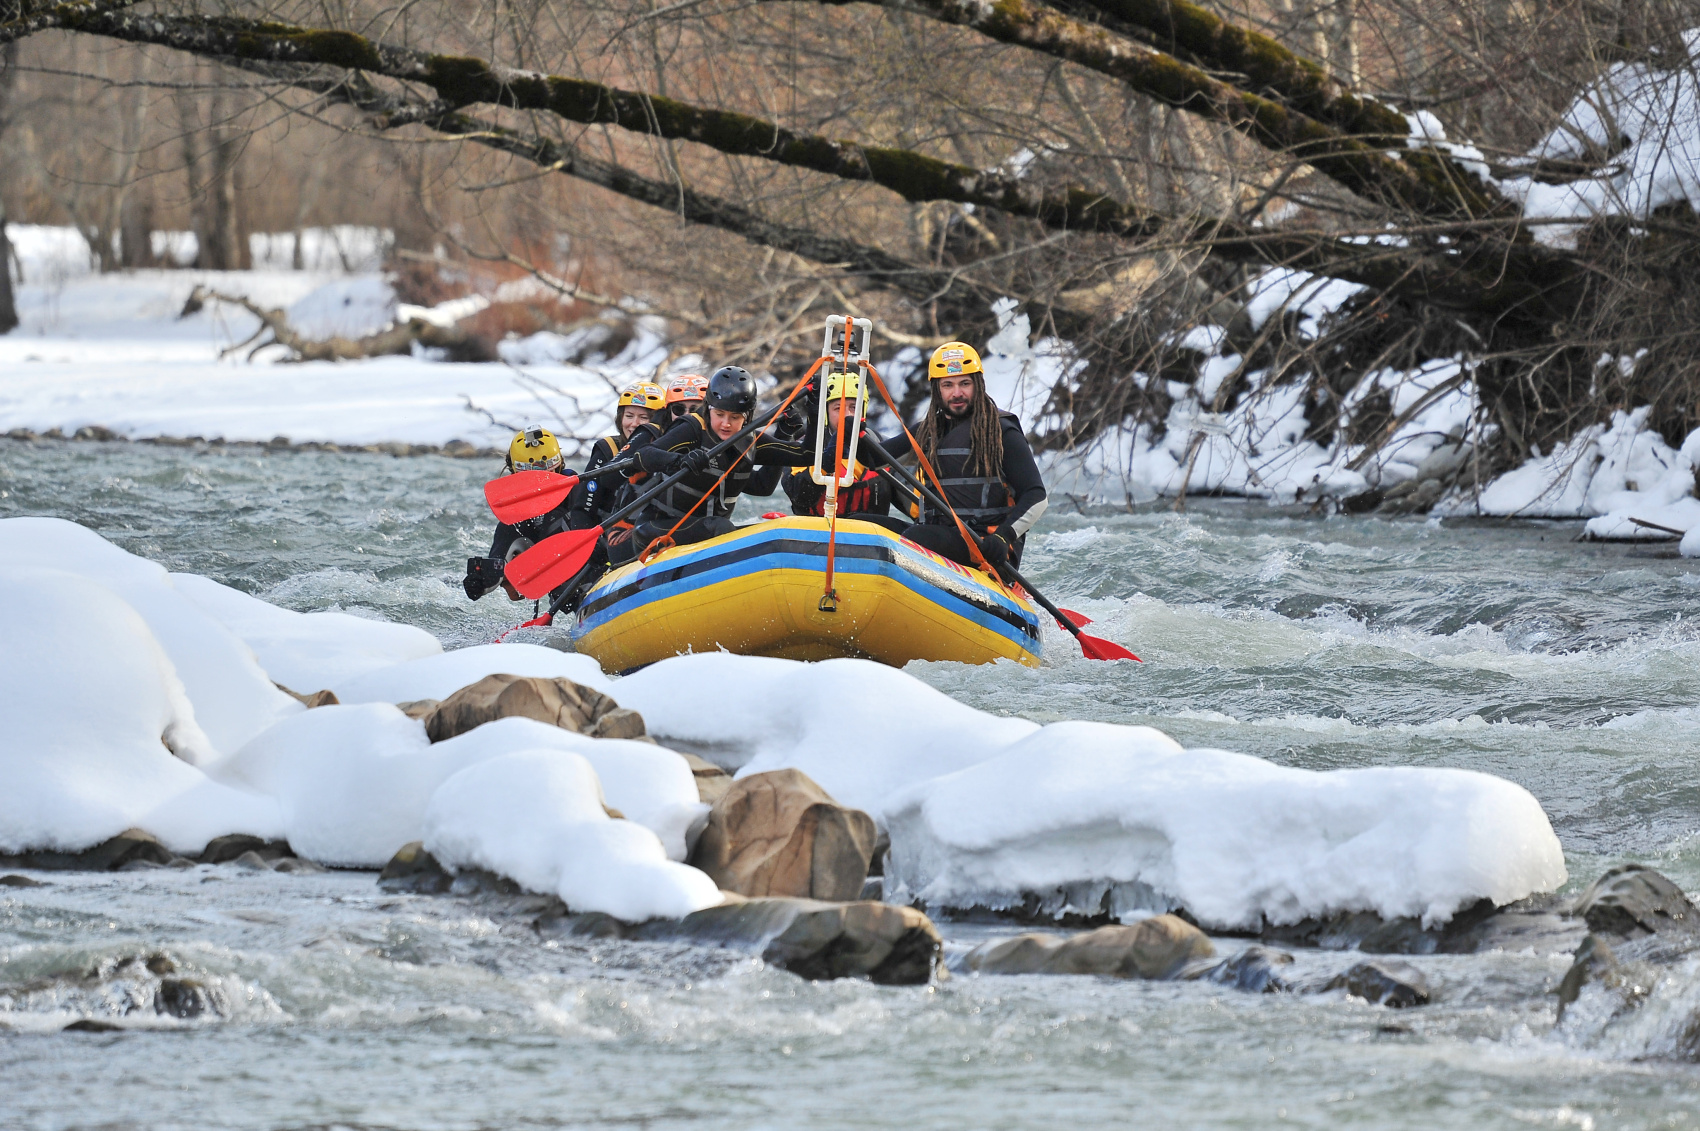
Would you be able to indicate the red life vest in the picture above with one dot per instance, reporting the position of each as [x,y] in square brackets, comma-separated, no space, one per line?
[858,498]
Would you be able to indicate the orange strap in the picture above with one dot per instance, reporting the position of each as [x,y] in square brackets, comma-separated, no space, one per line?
[921,458]
[666,540]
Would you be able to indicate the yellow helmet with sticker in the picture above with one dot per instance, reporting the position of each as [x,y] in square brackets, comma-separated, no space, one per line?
[644,394]
[535,449]
[845,385]
[953,359]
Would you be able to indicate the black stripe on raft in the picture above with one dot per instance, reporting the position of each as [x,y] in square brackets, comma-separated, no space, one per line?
[803,546]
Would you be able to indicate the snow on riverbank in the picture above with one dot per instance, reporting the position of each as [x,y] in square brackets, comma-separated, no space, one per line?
[137,698]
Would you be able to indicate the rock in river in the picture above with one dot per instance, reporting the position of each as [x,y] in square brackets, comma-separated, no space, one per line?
[1396,985]
[780,834]
[559,702]
[1159,947]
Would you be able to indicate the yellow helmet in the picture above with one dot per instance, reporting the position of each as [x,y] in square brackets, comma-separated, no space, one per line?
[535,449]
[953,359]
[848,385]
[644,394]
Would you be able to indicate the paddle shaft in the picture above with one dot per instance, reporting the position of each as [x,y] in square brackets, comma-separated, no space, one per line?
[1007,571]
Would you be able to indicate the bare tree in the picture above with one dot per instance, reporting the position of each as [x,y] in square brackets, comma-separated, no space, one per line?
[8,305]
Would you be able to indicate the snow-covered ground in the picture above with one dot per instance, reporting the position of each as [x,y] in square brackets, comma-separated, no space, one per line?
[172,723]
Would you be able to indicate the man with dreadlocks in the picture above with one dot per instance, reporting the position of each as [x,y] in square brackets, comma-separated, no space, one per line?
[983,462]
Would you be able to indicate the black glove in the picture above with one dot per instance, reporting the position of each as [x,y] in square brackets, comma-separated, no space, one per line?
[482,575]
[658,460]
[697,461]
[995,549]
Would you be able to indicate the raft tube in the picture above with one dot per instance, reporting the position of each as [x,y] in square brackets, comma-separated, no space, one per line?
[757,590]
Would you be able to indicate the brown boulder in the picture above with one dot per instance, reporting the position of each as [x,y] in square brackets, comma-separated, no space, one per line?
[621,722]
[712,781]
[1154,948]
[558,702]
[780,834]
[887,944]
[418,708]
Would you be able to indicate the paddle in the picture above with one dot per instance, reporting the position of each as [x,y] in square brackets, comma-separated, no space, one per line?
[558,559]
[1092,647]
[527,494]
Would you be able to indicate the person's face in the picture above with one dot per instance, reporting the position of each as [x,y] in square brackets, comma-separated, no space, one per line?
[957,393]
[725,425]
[682,409]
[832,408]
[630,417]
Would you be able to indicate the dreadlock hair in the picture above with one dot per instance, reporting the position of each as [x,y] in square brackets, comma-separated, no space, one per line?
[985,433]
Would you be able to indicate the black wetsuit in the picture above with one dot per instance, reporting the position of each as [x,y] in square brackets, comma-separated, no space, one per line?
[1010,502]
[756,474]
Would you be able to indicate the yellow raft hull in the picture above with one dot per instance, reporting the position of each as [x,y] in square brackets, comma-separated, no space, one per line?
[757,592]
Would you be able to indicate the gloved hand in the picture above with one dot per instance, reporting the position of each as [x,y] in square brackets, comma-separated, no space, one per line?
[995,549]
[482,575]
[697,461]
[658,460]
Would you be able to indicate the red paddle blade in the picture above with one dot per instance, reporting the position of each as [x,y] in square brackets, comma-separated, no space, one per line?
[1081,620]
[1097,648]
[552,562]
[527,494]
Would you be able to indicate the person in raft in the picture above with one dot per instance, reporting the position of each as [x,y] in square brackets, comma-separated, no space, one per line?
[869,498]
[641,403]
[983,462]
[730,403]
[534,448]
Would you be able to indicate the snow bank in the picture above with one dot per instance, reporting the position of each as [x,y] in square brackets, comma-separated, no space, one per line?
[307,651]
[535,816]
[982,810]
[92,711]
[1080,808]
[233,698]
[439,676]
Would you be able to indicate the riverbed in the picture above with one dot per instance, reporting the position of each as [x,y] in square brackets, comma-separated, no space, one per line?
[1570,668]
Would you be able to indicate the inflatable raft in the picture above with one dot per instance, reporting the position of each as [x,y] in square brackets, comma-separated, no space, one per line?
[756,591]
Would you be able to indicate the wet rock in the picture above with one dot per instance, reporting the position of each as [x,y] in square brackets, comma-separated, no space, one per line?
[97,432]
[1631,901]
[621,722]
[295,866]
[252,862]
[1256,970]
[459,449]
[559,702]
[712,781]
[1537,923]
[91,1025]
[182,998]
[889,945]
[1393,984]
[1155,948]
[141,866]
[412,869]
[780,834]
[107,856]
[16,881]
[1595,962]
[418,708]
[224,849]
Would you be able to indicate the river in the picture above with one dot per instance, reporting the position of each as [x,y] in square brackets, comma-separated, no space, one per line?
[1572,669]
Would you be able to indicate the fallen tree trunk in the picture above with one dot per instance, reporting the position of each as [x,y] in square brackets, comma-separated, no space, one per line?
[399,339]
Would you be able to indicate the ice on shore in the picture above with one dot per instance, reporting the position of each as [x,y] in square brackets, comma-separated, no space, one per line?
[112,668]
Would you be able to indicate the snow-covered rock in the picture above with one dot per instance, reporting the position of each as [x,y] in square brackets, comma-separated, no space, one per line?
[439,676]
[1078,809]
[536,817]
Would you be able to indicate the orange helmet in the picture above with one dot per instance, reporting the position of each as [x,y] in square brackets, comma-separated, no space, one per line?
[687,387]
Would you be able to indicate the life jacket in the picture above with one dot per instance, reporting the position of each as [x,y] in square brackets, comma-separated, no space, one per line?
[860,497]
[597,495]
[679,499]
[981,501]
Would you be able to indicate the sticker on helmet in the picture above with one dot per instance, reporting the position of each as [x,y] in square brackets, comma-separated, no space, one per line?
[948,354]
[953,367]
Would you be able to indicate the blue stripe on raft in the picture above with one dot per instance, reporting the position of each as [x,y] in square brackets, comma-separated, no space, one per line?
[943,597]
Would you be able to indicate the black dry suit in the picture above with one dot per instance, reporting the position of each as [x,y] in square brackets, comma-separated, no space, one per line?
[1009,502]
[756,474]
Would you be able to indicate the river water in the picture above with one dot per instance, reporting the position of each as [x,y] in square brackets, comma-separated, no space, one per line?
[1572,669]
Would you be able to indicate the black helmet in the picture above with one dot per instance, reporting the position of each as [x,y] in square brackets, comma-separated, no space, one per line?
[732,389]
